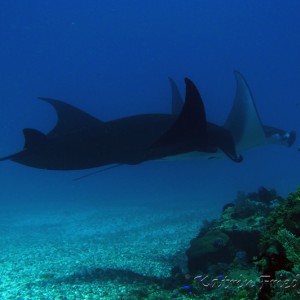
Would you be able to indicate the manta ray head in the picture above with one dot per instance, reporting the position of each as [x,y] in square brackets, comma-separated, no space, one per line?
[279,136]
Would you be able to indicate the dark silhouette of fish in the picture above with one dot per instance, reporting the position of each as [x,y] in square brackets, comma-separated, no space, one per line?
[80,141]
[243,121]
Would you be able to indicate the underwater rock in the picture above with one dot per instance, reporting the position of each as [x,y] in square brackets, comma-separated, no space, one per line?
[263,195]
[210,247]
[280,242]
[257,250]
[237,231]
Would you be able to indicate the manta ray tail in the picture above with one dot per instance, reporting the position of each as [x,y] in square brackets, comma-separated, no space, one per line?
[97,172]
[6,157]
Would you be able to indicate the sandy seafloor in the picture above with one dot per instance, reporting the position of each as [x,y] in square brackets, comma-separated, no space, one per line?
[108,253]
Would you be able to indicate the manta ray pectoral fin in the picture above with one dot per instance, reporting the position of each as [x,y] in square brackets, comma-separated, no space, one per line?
[33,138]
[70,118]
[217,136]
[223,140]
[227,145]
[243,120]
[190,123]
[191,131]
[245,124]
[177,101]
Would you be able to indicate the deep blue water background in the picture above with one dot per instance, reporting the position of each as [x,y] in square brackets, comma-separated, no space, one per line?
[112,59]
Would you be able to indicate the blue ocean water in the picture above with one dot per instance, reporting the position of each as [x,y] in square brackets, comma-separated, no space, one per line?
[112,58]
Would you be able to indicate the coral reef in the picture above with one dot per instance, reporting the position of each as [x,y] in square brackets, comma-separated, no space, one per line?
[280,243]
[251,252]
[235,234]
[209,247]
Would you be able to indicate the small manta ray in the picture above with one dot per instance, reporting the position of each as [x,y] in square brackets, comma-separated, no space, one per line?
[80,141]
[243,121]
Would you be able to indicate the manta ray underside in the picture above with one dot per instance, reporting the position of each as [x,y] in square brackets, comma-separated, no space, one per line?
[243,120]
[80,141]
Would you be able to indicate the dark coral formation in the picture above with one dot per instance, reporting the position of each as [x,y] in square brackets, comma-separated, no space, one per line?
[237,231]
[209,248]
[280,243]
[257,237]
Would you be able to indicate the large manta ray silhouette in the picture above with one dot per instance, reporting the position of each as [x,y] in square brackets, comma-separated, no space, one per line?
[243,122]
[80,141]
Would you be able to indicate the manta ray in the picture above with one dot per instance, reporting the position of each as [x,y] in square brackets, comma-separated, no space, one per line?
[243,121]
[81,141]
